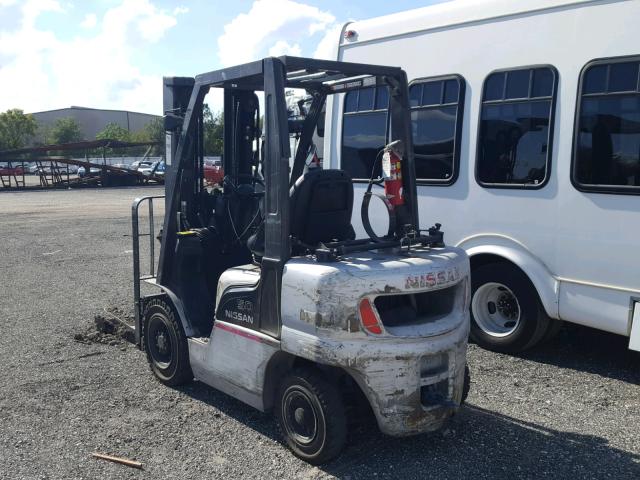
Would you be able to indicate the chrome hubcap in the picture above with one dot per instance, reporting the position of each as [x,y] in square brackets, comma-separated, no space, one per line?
[299,416]
[496,309]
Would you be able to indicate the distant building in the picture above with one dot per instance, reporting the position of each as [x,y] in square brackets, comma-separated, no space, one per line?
[93,120]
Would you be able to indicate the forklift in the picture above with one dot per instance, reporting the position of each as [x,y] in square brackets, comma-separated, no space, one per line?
[263,290]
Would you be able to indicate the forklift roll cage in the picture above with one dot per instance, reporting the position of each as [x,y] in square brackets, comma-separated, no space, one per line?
[183,107]
[282,316]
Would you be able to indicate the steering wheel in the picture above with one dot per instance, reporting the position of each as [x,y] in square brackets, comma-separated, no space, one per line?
[246,189]
[245,194]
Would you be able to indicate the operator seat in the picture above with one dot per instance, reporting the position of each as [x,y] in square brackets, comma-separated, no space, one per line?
[321,203]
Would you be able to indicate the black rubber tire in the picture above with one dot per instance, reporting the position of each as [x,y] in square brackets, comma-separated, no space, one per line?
[552,330]
[178,369]
[534,321]
[467,384]
[328,407]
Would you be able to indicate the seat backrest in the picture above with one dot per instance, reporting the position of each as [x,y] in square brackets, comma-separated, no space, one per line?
[321,207]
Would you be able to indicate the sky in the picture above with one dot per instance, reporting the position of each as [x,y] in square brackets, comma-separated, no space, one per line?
[114,53]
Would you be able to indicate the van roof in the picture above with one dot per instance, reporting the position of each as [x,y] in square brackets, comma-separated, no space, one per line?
[448,14]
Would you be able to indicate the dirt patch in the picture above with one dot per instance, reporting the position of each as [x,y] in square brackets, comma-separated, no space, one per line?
[111,327]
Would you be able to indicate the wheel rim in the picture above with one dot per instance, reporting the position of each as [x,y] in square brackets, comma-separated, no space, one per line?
[496,310]
[299,415]
[159,341]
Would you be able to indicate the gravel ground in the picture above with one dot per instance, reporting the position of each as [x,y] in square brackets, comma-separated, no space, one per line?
[570,409]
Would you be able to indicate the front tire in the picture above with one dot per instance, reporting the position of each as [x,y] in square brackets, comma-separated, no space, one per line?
[311,416]
[506,313]
[166,344]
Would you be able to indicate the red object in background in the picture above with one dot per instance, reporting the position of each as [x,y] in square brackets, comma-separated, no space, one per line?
[213,173]
[11,171]
[392,173]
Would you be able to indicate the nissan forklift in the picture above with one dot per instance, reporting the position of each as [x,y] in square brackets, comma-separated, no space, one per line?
[264,290]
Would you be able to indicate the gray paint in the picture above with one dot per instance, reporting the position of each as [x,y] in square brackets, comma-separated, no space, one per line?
[93,120]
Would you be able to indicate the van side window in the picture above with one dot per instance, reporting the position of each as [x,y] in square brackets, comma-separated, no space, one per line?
[364,130]
[516,128]
[436,122]
[606,153]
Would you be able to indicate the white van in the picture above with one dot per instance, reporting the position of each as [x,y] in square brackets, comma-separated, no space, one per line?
[526,124]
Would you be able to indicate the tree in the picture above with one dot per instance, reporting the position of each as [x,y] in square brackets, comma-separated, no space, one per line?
[113,131]
[16,129]
[152,132]
[155,130]
[213,131]
[64,130]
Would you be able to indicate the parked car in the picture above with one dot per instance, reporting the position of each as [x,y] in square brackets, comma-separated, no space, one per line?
[213,171]
[63,168]
[48,169]
[160,167]
[156,169]
[141,165]
[146,167]
[82,171]
[6,170]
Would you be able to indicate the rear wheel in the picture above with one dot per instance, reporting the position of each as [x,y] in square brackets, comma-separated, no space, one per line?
[166,344]
[552,331]
[311,416]
[507,315]
[467,384]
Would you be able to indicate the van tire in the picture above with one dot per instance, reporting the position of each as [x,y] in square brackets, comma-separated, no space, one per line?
[165,344]
[466,385]
[303,395]
[510,316]
[552,330]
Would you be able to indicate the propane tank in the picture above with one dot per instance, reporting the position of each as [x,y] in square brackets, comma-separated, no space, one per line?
[392,172]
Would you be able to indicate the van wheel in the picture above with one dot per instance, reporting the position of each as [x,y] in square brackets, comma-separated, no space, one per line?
[165,344]
[553,330]
[506,312]
[311,416]
[467,384]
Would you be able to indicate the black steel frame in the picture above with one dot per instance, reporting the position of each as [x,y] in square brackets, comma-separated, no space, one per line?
[183,102]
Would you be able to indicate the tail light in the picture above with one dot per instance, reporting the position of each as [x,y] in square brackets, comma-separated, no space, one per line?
[369,318]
